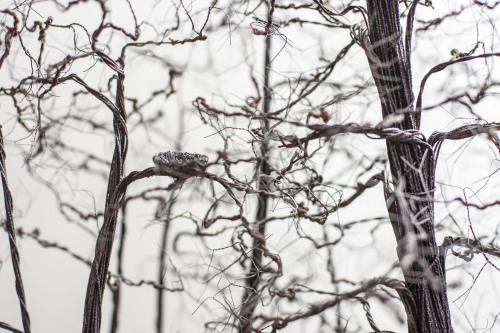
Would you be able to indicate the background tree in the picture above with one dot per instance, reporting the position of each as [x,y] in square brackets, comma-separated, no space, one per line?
[280,217]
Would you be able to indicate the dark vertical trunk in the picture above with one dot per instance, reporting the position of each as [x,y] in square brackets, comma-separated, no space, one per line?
[92,314]
[11,230]
[251,294]
[117,289]
[411,204]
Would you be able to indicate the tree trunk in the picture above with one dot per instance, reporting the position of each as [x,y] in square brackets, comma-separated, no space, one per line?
[251,296]
[411,203]
[92,314]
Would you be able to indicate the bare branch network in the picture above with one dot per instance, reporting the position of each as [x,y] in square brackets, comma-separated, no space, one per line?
[249,166]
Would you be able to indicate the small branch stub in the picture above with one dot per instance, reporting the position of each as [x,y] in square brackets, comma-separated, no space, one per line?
[180,165]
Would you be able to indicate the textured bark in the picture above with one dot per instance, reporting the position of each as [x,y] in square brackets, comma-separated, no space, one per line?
[412,168]
[104,245]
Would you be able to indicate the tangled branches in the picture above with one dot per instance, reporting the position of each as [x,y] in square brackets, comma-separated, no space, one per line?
[322,181]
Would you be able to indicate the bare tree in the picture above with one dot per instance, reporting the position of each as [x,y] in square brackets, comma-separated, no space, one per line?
[262,186]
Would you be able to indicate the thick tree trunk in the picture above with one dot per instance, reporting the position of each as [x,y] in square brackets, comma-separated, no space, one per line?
[411,204]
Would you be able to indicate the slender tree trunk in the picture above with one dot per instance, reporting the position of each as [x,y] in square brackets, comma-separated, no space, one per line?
[251,294]
[92,314]
[9,226]
[117,289]
[160,315]
[411,203]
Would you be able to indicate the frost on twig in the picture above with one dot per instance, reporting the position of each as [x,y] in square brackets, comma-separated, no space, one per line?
[180,165]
